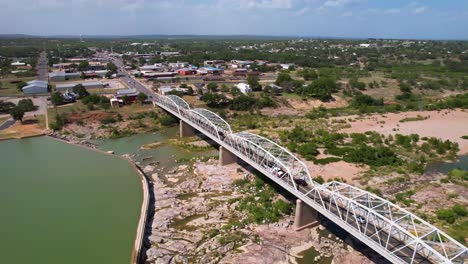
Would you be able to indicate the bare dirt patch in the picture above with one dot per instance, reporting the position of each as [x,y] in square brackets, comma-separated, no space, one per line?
[446,124]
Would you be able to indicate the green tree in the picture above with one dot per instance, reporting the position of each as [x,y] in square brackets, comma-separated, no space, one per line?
[214,100]
[212,86]
[20,85]
[282,78]
[308,74]
[104,103]
[27,105]
[142,97]
[80,90]
[17,113]
[83,66]
[111,68]
[252,80]
[57,99]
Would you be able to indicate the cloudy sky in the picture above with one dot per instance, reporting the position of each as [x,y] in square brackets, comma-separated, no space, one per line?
[429,19]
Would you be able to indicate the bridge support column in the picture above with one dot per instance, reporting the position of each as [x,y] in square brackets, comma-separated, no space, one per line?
[185,129]
[226,157]
[305,216]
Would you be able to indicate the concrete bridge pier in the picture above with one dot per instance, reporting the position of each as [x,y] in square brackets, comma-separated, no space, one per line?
[226,157]
[305,216]
[185,129]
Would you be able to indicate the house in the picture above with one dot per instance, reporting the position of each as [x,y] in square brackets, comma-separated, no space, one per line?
[63,76]
[35,87]
[86,85]
[244,88]
[186,71]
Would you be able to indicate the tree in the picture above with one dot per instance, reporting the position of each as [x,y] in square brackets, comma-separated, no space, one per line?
[308,74]
[252,80]
[212,86]
[104,103]
[57,99]
[142,97]
[83,66]
[80,90]
[17,113]
[20,85]
[108,74]
[111,68]
[214,100]
[27,105]
[283,77]
[125,99]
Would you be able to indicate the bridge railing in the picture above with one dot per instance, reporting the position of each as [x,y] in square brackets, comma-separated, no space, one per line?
[392,231]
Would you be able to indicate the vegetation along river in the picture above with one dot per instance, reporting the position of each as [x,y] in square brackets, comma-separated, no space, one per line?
[65,204]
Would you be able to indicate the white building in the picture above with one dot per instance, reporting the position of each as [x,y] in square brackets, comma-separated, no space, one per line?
[244,88]
[35,87]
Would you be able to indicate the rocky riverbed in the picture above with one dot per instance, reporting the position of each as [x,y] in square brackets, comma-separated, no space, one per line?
[194,211]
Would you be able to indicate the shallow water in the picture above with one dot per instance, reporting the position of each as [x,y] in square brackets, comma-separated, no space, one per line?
[445,167]
[65,204]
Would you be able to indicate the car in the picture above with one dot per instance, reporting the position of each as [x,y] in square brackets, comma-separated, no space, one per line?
[300,182]
[361,220]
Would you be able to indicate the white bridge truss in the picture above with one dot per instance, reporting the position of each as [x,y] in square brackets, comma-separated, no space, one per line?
[390,230]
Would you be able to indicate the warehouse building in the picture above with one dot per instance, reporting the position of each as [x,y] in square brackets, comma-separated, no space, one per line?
[36,87]
[63,76]
[86,85]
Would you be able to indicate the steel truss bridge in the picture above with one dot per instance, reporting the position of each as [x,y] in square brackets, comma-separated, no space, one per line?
[390,230]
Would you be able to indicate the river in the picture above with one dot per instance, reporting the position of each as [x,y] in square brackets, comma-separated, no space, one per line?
[445,167]
[65,204]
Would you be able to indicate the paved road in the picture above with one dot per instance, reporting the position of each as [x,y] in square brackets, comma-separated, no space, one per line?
[42,67]
[128,79]
[7,124]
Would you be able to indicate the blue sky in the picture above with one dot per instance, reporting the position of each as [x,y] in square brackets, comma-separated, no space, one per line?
[427,19]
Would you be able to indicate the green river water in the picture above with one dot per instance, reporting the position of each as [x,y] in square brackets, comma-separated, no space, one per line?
[64,204]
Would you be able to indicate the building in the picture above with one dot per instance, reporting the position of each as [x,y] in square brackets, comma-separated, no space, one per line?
[286,66]
[244,88]
[36,87]
[158,74]
[86,85]
[165,90]
[63,76]
[214,63]
[367,45]
[17,64]
[210,70]
[186,71]
[154,67]
[130,94]
[241,64]
[178,65]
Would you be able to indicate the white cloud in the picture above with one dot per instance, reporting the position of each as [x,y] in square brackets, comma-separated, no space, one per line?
[392,11]
[347,14]
[419,9]
[256,4]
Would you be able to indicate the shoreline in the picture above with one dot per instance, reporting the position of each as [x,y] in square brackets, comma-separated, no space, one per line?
[136,256]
